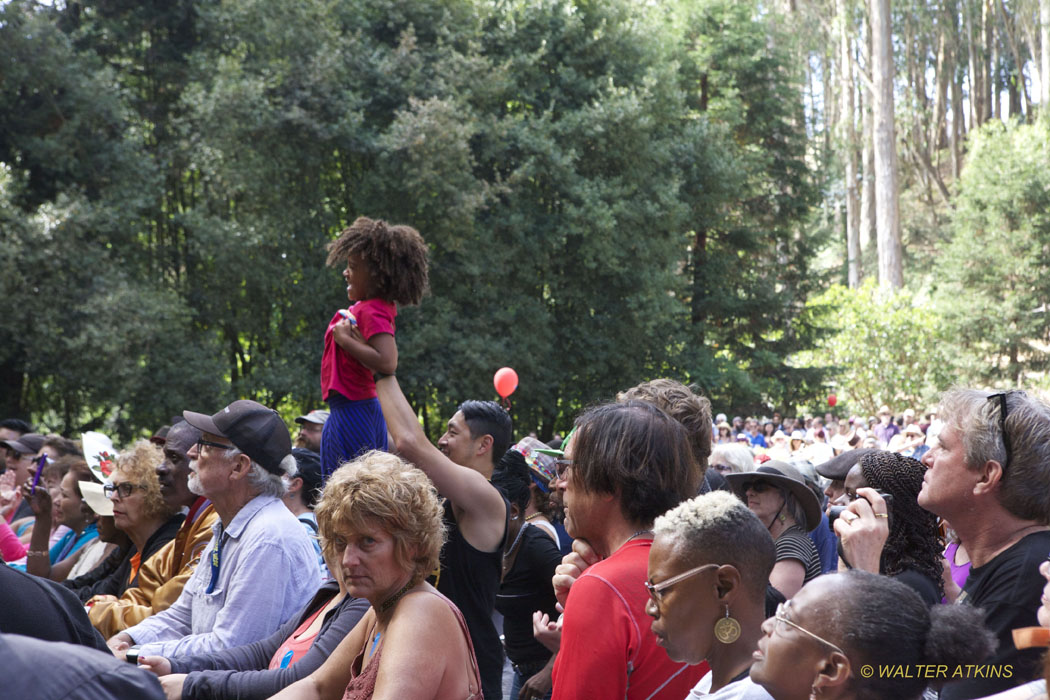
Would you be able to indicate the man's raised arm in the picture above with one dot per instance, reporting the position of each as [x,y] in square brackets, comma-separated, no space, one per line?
[479,507]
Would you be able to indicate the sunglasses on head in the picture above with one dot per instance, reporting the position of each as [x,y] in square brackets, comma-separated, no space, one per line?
[1001,398]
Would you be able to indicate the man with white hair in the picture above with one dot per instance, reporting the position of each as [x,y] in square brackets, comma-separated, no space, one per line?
[989,476]
[259,568]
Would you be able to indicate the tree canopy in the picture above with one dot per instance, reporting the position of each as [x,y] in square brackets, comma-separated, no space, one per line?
[611,191]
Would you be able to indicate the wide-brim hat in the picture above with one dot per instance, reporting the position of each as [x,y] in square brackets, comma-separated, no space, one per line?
[786,477]
[838,466]
[95,496]
[99,454]
[254,429]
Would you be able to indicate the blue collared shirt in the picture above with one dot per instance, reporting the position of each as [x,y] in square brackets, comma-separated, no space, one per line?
[268,571]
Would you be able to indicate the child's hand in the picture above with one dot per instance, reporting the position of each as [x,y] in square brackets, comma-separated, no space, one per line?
[346,332]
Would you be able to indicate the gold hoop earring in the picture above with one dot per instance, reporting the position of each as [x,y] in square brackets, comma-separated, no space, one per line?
[727,630]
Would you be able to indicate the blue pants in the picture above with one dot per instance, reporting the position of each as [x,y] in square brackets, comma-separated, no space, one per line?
[353,428]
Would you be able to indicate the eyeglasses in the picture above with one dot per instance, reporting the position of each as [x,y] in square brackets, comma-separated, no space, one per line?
[756,486]
[779,617]
[202,443]
[561,467]
[123,489]
[1003,410]
[656,589]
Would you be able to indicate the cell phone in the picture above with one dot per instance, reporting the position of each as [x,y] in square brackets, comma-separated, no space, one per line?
[39,469]
[132,655]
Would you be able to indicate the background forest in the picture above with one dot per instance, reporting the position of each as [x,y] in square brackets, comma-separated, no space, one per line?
[774,201]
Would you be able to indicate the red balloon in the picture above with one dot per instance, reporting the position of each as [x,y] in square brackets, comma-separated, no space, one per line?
[506,381]
[832,400]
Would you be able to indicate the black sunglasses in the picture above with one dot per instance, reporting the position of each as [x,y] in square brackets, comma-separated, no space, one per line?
[1003,411]
[756,486]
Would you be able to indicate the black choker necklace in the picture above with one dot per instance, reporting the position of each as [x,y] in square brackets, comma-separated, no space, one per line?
[392,600]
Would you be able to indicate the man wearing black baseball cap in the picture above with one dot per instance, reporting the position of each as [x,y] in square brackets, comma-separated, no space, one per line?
[259,568]
[22,453]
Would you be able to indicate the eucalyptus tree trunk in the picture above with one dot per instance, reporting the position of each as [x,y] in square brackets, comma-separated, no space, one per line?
[988,54]
[936,138]
[887,208]
[1018,86]
[1044,62]
[867,158]
[849,147]
[995,104]
[976,75]
[958,132]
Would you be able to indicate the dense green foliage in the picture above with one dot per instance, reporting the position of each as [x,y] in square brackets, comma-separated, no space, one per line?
[610,191]
[883,347]
[992,284]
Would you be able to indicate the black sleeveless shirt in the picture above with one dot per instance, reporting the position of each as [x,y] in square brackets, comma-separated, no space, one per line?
[470,579]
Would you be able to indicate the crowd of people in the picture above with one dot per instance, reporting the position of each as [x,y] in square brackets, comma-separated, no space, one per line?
[818,558]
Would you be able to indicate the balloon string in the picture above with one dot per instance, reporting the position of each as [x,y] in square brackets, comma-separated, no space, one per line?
[506,403]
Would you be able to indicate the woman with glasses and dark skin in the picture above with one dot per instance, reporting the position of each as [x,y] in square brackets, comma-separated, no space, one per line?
[777,493]
[912,552]
[708,567]
[843,635]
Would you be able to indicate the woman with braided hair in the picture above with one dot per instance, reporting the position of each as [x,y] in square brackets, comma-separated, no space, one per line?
[911,552]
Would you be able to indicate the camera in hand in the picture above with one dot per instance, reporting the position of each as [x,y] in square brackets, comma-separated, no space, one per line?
[835,511]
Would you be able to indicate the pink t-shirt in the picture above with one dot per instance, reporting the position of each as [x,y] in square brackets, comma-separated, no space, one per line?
[339,371]
[298,646]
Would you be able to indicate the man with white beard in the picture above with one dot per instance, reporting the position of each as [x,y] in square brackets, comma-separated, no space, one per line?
[255,572]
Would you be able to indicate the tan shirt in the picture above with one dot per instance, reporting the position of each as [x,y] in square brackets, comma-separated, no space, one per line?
[161,579]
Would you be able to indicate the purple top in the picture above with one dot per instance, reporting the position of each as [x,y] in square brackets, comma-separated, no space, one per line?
[960,572]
